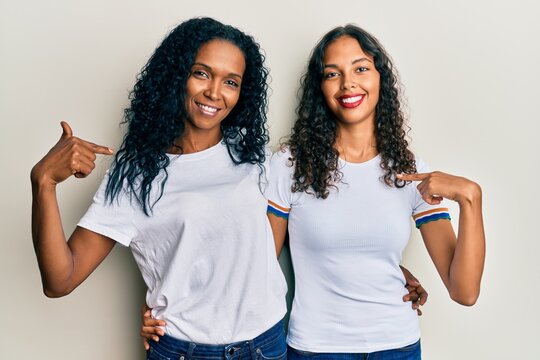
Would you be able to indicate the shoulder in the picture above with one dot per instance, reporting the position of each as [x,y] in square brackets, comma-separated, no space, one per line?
[281,158]
[282,154]
[280,165]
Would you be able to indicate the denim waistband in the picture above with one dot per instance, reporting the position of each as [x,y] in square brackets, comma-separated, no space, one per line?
[227,351]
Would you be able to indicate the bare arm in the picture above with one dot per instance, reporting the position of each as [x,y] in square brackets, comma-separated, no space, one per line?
[459,261]
[279,230]
[64,265]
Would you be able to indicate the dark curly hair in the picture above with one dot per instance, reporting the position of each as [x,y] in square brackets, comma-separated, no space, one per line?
[157,112]
[312,141]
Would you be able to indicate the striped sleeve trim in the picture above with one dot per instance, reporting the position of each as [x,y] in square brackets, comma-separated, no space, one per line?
[431,215]
[277,210]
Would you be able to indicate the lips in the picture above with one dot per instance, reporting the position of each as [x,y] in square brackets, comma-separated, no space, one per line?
[207,109]
[351,101]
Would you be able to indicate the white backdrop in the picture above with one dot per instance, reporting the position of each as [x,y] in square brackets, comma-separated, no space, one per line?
[471,74]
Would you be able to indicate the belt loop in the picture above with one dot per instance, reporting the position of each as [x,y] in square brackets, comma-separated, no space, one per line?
[190,350]
[252,349]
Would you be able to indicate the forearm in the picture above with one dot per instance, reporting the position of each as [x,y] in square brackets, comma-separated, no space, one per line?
[468,261]
[55,259]
[63,265]
[279,231]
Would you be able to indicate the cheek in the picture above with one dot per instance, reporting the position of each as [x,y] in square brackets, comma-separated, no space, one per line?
[191,88]
[327,93]
[232,99]
[376,86]
[375,91]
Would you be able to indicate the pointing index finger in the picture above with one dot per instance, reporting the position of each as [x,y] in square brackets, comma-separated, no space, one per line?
[412,177]
[98,149]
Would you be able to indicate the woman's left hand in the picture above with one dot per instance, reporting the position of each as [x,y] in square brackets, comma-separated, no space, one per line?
[417,294]
[435,186]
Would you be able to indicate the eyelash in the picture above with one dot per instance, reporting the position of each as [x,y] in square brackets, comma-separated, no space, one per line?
[231,83]
[330,75]
[202,74]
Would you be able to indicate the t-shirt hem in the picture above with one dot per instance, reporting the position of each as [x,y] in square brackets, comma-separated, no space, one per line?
[248,335]
[351,349]
[116,236]
[263,328]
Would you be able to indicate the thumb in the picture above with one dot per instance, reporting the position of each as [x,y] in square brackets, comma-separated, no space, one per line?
[66,130]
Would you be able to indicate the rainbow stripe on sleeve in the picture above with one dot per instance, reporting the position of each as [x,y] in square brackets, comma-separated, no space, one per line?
[277,210]
[431,215]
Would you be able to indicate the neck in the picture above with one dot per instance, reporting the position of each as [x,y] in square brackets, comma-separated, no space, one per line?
[356,143]
[194,141]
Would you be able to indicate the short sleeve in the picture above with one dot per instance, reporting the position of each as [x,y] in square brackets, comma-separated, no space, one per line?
[278,192]
[422,211]
[112,219]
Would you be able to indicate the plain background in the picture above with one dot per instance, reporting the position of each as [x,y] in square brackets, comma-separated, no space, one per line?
[471,75]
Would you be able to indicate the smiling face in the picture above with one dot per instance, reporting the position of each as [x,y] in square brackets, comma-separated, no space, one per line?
[213,87]
[351,82]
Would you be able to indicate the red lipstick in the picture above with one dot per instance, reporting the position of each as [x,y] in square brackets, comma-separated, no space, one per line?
[350,101]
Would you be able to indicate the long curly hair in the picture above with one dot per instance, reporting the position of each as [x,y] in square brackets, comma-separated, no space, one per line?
[313,138]
[156,115]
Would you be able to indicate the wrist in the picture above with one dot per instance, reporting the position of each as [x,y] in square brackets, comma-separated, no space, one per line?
[40,181]
[471,194]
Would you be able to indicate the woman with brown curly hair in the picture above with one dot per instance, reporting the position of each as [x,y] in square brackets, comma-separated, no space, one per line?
[343,187]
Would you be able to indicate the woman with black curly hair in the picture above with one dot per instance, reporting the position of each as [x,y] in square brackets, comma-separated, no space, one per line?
[185,193]
[343,188]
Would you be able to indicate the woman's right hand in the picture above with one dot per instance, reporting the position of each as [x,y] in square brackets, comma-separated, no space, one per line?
[70,156]
[151,328]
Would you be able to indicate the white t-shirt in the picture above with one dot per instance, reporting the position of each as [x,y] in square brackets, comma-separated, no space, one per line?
[346,252]
[206,252]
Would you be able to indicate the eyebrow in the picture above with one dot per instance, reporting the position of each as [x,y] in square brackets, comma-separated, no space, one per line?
[210,68]
[353,62]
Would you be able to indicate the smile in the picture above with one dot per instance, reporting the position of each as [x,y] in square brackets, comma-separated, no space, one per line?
[350,102]
[206,109]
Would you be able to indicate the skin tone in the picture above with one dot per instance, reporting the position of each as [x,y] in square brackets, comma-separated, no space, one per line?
[212,91]
[351,88]
[153,328]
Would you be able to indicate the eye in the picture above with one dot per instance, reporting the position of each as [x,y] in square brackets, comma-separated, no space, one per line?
[330,75]
[232,83]
[362,69]
[200,74]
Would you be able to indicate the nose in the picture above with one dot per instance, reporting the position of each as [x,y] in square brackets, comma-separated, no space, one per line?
[348,82]
[212,91]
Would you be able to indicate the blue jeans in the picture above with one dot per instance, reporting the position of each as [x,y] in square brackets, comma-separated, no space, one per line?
[270,345]
[409,352]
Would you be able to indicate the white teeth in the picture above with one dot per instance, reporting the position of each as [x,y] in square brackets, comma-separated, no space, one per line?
[351,100]
[207,108]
